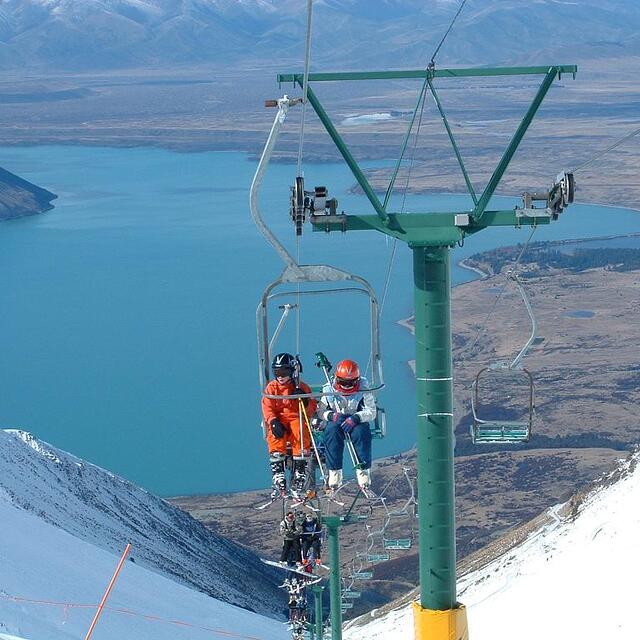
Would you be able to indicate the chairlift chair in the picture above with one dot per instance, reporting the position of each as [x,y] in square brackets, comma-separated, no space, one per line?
[397,544]
[490,430]
[362,575]
[485,430]
[313,277]
[374,558]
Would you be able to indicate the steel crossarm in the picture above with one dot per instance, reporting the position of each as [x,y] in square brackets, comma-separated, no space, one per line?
[479,72]
[425,229]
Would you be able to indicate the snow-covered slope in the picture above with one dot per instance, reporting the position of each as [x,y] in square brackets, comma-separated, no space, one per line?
[102,509]
[576,577]
[51,583]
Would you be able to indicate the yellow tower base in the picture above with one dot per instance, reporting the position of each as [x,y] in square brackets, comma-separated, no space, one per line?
[440,625]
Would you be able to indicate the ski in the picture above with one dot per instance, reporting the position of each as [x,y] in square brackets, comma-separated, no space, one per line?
[330,495]
[371,497]
[310,576]
[283,495]
[304,502]
[272,499]
[261,507]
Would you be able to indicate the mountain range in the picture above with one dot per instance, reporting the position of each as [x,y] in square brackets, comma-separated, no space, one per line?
[84,35]
[570,572]
[107,511]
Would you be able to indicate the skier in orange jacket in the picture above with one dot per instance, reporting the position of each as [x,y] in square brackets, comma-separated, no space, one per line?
[285,424]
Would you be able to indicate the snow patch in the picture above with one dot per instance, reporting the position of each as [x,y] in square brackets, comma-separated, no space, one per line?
[367,118]
[35,444]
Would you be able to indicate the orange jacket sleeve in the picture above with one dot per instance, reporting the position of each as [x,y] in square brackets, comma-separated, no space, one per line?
[269,405]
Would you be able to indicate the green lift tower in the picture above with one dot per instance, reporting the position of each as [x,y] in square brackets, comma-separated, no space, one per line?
[431,235]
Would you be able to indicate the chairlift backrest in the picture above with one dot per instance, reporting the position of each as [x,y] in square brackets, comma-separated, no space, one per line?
[310,274]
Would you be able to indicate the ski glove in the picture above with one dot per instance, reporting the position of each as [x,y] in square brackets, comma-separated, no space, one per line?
[318,425]
[350,423]
[300,392]
[334,416]
[277,428]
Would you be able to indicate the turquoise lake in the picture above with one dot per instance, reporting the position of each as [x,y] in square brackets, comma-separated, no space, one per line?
[128,312]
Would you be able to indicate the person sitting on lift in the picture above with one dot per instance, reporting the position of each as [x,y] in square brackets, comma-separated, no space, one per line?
[347,411]
[285,424]
[290,532]
[310,537]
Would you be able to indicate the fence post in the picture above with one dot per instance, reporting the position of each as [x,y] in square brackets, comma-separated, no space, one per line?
[108,591]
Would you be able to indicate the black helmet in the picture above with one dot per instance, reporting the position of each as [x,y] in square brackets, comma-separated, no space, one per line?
[284,364]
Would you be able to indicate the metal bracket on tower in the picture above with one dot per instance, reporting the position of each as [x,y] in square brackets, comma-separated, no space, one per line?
[309,203]
[558,198]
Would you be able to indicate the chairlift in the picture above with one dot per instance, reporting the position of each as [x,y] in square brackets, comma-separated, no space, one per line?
[397,544]
[305,280]
[491,429]
[378,557]
[318,280]
[362,575]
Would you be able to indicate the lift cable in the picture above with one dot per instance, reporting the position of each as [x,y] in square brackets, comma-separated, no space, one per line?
[435,53]
[617,143]
[394,245]
[305,84]
[483,327]
[420,103]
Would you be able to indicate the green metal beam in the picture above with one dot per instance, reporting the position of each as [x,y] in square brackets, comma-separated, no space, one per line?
[513,145]
[430,73]
[317,593]
[423,229]
[333,524]
[346,154]
[452,139]
[403,148]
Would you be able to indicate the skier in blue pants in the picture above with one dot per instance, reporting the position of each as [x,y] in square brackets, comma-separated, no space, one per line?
[347,411]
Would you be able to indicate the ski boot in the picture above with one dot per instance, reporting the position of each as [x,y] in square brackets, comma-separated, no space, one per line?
[299,480]
[335,481]
[279,479]
[364,482]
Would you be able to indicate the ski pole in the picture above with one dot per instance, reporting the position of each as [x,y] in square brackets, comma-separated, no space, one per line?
[313,440]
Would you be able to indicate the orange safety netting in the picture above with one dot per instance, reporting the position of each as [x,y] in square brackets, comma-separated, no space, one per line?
[66,606]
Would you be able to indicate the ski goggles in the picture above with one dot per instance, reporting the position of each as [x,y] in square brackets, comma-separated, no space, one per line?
[283,372]
[346,383]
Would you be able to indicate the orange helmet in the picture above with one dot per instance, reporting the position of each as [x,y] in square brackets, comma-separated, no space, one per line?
[347,379]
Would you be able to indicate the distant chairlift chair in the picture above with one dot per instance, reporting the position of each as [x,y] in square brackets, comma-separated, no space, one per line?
[495,431]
